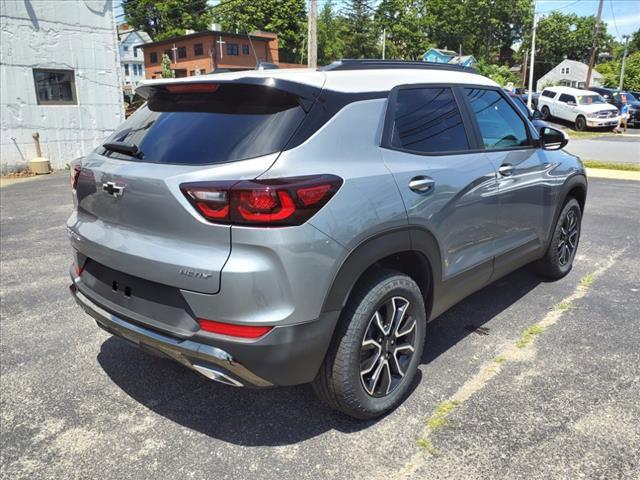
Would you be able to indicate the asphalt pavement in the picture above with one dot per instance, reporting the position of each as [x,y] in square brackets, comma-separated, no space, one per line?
[604,145]
[562,401]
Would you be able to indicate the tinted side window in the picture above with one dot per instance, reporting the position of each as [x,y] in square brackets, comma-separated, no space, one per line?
[500,125]
[521,106]
[548,93]
[566,98]
[428,120]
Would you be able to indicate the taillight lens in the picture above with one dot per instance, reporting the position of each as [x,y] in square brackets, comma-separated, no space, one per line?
[74,170]
[273,202]
[241,331]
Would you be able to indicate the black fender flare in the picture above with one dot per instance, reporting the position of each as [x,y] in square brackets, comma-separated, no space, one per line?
[578,180]
[374,249]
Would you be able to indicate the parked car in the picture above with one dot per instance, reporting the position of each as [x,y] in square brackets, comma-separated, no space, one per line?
[534,99]
[583,108]
[614,97]
[533,115]
[270,228]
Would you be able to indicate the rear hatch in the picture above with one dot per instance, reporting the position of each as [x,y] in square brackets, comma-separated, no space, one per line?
[131,215]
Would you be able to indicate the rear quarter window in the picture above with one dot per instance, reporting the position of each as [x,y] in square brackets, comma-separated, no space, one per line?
[235,122]
[428,120]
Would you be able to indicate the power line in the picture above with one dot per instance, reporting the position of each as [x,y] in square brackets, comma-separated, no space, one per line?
[613,16]
[560,8]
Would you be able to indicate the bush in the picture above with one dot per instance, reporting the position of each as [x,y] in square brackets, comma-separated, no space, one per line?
[611,72]
[498,73]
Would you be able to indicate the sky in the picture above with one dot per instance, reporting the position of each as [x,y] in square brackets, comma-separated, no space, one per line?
[622,16]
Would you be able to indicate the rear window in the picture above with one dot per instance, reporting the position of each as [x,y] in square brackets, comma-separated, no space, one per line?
[234,122]
[548,93]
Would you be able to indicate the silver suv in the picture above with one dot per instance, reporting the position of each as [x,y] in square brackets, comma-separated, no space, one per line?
[283,227]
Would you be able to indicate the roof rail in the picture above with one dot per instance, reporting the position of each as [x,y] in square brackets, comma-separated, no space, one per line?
[378,64]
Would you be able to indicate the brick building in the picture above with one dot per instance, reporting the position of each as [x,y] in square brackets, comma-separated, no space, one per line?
[204,52]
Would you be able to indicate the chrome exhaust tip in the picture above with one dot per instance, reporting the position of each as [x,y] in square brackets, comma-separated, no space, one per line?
[217,376]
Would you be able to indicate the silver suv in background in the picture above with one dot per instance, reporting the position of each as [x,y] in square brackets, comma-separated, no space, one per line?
[283,227]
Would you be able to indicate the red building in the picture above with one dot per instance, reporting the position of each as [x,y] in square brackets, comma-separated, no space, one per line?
[204,52]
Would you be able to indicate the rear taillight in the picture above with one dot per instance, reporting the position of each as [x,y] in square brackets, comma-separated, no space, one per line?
[232,330]
[274,202]
[75,167]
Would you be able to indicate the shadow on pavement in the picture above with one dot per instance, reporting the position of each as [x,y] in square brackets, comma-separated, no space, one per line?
[279,416]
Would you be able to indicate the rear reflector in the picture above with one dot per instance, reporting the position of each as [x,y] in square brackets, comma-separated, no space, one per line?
[271,203]
[241,331]
[74,170]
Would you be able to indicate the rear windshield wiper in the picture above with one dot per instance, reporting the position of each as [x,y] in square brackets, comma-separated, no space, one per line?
[123,147]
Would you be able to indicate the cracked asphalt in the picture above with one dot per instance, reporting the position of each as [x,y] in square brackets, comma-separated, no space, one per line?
[77,403]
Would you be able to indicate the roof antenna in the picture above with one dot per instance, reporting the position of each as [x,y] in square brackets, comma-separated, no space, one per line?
[254,51]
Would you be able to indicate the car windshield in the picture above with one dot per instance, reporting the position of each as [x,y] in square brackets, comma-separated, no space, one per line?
[630,97]
[590,99]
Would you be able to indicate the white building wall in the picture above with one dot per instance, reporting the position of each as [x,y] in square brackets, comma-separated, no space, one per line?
[568,73]
[71,34]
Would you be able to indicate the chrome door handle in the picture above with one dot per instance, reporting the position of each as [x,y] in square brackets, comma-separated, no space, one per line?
[505,169]
[421,184]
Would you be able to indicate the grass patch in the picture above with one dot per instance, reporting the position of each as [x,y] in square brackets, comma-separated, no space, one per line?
[562,306]
[499,359]
[438,419]
[426,445]
[587,280]
[528,335]
[628,167]
[583,135]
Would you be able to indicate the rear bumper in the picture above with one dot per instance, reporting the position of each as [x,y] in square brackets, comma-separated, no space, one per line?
[287,355]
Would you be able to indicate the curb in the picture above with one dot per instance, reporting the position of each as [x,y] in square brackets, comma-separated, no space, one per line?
[613,174]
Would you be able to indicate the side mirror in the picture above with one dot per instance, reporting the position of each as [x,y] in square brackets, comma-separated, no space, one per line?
[552,139]
[536,115]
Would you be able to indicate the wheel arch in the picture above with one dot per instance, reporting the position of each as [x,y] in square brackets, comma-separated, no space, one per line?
[412,251]
[575,187]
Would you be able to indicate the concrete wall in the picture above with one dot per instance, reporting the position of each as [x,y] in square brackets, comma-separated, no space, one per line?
[70,34]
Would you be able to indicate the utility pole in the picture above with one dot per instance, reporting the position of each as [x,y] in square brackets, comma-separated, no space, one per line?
[624,58]
[312,61]
[594,46]
[384,42]
[532,62]
[523,73]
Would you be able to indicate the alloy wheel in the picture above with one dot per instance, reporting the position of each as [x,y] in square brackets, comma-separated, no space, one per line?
[387,347]
[568,237]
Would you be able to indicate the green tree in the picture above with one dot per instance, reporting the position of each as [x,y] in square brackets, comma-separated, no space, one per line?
[167,71]
[634,42]
[405,24]
[566,35]
[167,18]
[287,18]
[331,33]
[362,39]
[611,72]
[498,73]
[495,25]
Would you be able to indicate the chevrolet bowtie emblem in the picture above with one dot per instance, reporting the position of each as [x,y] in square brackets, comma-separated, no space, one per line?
[113,189]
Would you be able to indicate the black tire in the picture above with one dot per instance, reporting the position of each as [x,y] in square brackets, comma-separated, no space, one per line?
[581,123]
[558,261]
[546,114]
[340,383]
